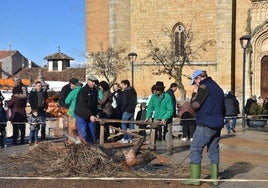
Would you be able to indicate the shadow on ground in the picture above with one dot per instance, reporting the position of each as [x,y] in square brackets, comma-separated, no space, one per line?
[236,168]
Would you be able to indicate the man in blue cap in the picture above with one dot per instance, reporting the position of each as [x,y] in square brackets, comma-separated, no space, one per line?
[208,102]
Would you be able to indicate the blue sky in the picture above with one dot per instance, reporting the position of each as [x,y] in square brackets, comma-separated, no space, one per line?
[37,28]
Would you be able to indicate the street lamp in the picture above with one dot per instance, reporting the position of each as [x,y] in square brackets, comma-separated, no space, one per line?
[132,58]
[244,41]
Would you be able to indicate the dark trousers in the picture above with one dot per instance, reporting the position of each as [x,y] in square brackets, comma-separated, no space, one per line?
[16,128]
[188,125]
[142,132]
[2,135]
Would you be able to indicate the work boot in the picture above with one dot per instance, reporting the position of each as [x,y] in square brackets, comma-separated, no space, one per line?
[195,170]
[214,173]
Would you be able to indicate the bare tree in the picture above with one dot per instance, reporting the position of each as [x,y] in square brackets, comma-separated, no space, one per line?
[107,63]
[173,56]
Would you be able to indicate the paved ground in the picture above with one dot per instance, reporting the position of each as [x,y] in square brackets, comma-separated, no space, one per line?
[244,157]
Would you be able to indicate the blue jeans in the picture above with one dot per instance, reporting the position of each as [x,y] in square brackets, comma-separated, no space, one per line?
[227,120]
[126,116]
[33,134]
[204,136]
[86,129]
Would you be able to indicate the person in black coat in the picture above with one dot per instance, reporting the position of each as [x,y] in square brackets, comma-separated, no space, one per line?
[231,111]
[86,110]
[128,105]
[37,100]
[250,101]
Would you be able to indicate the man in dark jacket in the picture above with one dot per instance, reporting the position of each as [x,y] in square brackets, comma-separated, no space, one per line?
[208,102]
[250,101]
[128,105]
[66,90]
[37,100]
[86,110]
[231,111]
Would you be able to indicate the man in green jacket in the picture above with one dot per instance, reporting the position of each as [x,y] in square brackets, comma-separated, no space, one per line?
[71,102]
[161,106]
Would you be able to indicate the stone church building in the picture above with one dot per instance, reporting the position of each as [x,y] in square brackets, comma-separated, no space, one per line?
[131,23]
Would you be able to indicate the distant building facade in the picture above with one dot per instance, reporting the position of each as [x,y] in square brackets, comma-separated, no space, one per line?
[14,65]
[131,23]
[11,61]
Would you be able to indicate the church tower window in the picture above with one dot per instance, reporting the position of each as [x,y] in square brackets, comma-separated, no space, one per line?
[179,39]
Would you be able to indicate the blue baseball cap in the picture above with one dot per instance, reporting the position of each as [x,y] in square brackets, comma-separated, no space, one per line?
[195,74]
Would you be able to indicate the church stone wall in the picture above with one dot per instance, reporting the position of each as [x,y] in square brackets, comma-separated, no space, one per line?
[131,23]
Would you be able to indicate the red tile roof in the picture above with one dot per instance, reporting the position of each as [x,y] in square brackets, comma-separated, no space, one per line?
[58,56]
[6,53]
[65,75]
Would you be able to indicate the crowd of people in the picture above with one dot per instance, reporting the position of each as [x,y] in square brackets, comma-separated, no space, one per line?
[116,102]
[202,117]
[86,104]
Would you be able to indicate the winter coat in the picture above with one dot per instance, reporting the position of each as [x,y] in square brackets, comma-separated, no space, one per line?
[17,104]
[33,100]
[211,110]
[186,107]
[3,117]
[231,105]
[63,94]
[128,100]
[71,100]
[187,114]
[249,102]
[174,102]
[2,98]
[141,115]
[86,102]
[34,122]
[161,107]
[116,103]
[106,103]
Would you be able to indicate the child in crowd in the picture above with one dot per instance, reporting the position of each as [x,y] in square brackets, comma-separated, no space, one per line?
[141,115]
[34,121]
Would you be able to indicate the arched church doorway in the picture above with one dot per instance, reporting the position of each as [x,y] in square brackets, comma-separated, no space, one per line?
[264,77]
